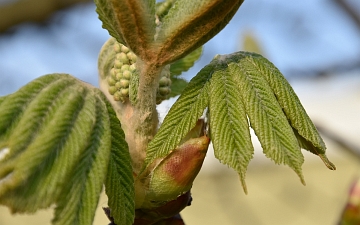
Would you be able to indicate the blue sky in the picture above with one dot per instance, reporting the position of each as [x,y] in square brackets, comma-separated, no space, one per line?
[293,35]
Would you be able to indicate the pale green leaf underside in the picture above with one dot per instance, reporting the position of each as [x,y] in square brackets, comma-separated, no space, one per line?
[120,194]
[182,116]
[56,136]
[184,64]
[266,117]
[237,91]
[304,129]
[228,123]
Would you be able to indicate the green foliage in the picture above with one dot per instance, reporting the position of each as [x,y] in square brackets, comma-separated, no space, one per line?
[55,142]
[132,23]
[241,90]
[228,123]
[184,64]
[190,24]
[182,116]
[119,175]
[61,139]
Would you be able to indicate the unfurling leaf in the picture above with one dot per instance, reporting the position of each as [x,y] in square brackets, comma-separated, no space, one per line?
[241,90]
[305,131]
[228,123]
[182,116]
[266,116]
[55,142]
[184,64]
[190,24]
[173,175]
[132,23]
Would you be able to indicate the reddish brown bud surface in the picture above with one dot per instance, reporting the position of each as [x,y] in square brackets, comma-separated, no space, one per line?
[175,173]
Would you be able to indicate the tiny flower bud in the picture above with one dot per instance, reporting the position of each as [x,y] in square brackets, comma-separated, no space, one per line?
[118,85]
[125,92]
[125,68]
[117,96]
[112,90]
[122,57]
[119,75]
[125,49]
[111,81]
[127,74]
[164,91]
[118,64]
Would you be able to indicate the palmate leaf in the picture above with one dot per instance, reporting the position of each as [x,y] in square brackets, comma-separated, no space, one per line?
[55,142]
[182,116]
[228,123]
[266,117]
[304,129]
[242,90]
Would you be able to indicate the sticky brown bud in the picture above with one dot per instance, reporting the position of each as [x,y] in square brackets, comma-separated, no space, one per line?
[176,172]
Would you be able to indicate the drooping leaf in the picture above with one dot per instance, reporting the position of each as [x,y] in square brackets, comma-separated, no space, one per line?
[184,64]
[32,183]
[177,86]
[134,21]
[305,130]
[266,116]
[182,116]
[190,24]
[228,123]
[80,195]
[55,143]
[119,184]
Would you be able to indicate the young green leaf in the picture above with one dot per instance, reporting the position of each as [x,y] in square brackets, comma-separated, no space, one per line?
[184,64]
[55,144]
[134,21]
[228,123]
[190,24]
[177,86]
[106,58]
[266,116]
[182,116]
[32,184]
[107,16]
[119,184]
[304,129]
[80,195]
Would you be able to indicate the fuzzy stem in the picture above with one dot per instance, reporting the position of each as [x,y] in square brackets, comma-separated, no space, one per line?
[145,116]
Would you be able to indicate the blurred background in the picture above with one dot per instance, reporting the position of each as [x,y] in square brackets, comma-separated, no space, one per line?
[315,43]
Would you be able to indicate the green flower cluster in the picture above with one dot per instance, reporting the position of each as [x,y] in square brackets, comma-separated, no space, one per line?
[124,68]
[164,85]
[120,75]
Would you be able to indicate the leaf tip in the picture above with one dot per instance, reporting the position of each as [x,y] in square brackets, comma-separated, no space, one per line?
[243,183]
[327,162]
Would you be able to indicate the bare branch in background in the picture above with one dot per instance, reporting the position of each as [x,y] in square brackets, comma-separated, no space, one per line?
[350,148]
[350,11]
[16,12]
